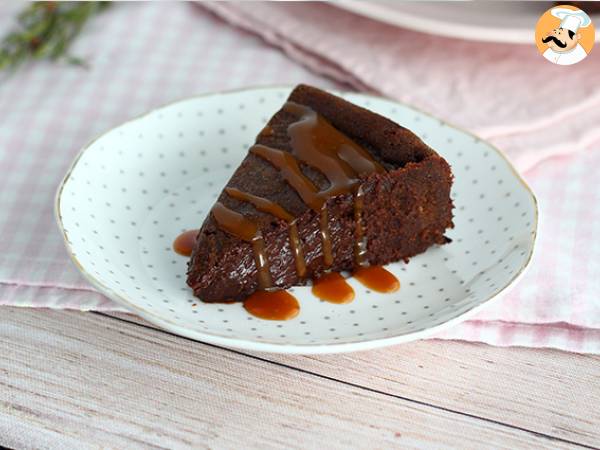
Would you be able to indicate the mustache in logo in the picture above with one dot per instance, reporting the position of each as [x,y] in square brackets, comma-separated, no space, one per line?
[556,41]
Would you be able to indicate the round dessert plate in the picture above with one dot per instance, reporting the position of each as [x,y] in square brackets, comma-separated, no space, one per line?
[489,21]
[133,190]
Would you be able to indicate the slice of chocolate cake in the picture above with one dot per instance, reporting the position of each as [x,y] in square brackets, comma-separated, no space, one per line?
[328,186]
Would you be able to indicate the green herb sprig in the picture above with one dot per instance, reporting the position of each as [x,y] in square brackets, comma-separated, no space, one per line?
[46,30]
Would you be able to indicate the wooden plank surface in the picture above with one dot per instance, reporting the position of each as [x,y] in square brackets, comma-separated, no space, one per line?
[96,380]
[549,392]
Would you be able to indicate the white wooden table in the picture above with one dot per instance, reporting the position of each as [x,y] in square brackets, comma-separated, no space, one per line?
[88,380]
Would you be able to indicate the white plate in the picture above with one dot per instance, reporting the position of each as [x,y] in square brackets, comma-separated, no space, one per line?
[130,192]
[495,21]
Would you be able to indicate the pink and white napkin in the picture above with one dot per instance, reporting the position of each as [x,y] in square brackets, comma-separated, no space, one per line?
[47,112]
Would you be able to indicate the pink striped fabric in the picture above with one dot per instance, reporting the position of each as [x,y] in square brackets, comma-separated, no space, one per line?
[557,302]
[176,50]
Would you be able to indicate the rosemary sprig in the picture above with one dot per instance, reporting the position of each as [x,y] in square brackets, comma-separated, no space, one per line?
[46,30]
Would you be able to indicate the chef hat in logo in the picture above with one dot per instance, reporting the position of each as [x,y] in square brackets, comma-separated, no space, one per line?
[571,20]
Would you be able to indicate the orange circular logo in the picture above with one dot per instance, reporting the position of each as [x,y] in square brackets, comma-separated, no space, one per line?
[564,35]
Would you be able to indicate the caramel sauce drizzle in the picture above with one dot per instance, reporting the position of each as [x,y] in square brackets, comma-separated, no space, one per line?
[266,131]
[315,140]
[269,207]
[290,170]
[184,243]
[316,143]
[360,243]
[377,278]
[325,237]
[246,230]
[260,203]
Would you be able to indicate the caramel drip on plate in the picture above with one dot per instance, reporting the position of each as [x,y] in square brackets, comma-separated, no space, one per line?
[246,230]
[184,243]
[333,288]
[377,278]
[272,305]
[269,207]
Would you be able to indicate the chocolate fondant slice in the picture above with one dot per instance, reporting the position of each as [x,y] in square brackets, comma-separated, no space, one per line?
[328,186]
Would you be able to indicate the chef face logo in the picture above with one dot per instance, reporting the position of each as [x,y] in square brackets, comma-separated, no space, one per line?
[564,35]
[561,40]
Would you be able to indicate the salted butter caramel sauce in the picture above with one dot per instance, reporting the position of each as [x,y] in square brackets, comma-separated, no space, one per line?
[316,143]
[333,288]
[269,207]
[272,305]
[377,279]
[245,229]
[184,243]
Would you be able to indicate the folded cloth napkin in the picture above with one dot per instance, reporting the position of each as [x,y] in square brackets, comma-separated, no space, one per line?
[557,302]
[48,112]
[506,93]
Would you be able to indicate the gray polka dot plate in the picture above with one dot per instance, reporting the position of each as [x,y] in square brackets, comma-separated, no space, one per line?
[130,192]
